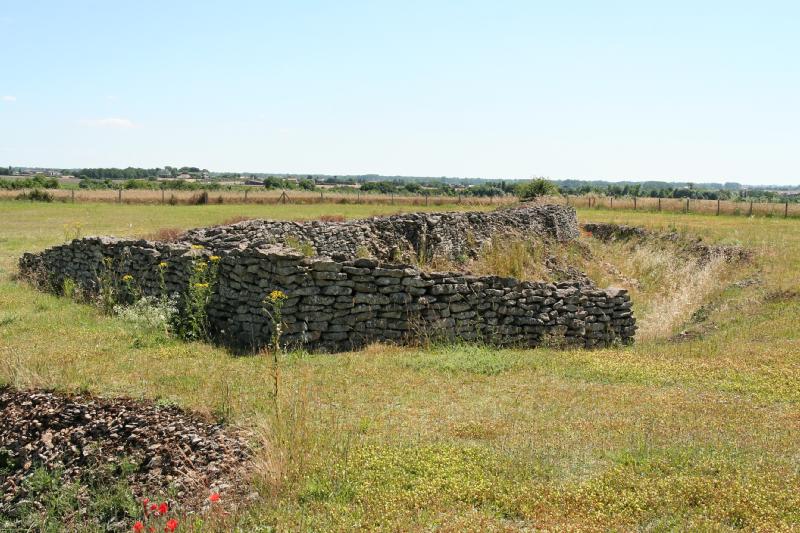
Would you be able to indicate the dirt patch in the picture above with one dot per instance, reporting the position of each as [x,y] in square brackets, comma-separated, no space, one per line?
[783,296]
[169,449]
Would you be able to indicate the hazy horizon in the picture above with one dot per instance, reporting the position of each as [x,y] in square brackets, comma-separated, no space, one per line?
[505,90]
[257,172]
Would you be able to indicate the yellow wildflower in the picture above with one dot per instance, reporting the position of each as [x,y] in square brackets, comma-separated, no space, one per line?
[201,285]
[200,266]
[162,264]
[214,258]
[127,278]
[197,247]
[277,295]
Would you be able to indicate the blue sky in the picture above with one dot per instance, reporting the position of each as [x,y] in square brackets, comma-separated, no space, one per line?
[696,91]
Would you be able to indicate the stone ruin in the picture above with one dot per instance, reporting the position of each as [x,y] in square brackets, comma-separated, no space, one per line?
[353,283]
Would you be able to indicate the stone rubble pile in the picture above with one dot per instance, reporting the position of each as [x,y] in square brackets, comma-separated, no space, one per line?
[73,434]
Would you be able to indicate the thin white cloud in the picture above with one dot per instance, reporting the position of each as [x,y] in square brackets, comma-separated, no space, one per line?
[8,98]
[111,122]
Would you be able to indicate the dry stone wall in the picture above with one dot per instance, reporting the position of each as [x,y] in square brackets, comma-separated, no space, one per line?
[342,303]
[409,236]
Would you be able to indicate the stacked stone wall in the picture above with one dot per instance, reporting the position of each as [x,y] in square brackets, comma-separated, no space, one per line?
[408,236]
[336,305]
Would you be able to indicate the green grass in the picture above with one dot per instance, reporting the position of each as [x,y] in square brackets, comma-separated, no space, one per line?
[660,436]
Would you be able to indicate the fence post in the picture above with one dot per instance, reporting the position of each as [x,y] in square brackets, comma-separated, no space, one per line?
[459,198]
[659,204]
[392,193]
[119,197]
[321,196]
[718,202]
[358,197]
[786,210]
[162,196]
[245,194]
[750,212]
[612,202]
[634,203]
[73,196]
[426,200]
[687,207]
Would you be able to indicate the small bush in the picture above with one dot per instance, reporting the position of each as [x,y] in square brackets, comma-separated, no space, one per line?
[199,199]
[69,289]
[535,189]
[149,313]
[36,195]
[191,323]
[304,247]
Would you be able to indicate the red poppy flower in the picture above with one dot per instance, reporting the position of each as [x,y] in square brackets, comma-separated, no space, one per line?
[171,525]
[214,497]
[138,526]
[162,509]
[145,501]
[154,507]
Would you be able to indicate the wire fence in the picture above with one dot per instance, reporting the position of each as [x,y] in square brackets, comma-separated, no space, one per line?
[684,205]
[255,196]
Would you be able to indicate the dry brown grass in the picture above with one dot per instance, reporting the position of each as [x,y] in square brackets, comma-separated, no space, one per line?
[263,197]
[331,218]
[165,235]
[512,257]
[671,286]
[236,219]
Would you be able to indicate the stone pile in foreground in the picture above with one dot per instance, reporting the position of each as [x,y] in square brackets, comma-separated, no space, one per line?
[75,435]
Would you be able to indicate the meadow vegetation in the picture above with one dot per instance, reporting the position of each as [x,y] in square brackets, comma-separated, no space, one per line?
[692,428]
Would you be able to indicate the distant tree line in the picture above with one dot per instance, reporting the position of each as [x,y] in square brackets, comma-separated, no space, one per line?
[148,178]
[134,173]
[639,190]
[34,182]
[174,185]
[305,184]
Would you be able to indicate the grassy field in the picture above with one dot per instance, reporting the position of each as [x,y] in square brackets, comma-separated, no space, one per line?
[697,434]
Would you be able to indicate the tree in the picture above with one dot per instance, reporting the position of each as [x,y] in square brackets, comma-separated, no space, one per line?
[273,183]
[536,188]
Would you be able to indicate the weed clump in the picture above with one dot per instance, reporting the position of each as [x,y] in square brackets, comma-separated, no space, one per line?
[36,195]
